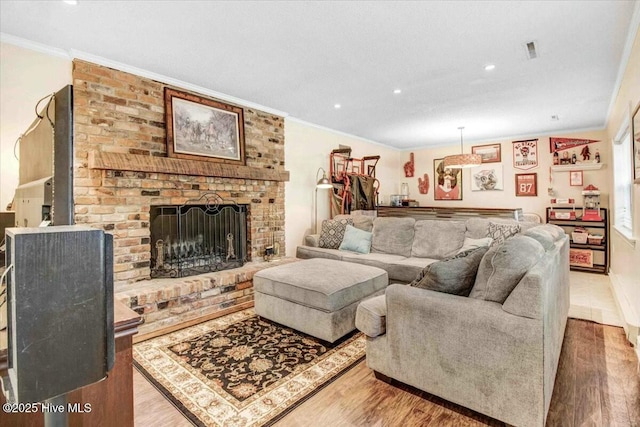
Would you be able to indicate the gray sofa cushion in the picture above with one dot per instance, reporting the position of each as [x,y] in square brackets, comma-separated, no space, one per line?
[543,236]
[555,231]
[307,252]
[332,232]
[324,284]
[362,222]
[393,236]
[503,266]
[437,239]
[470,243]
[371,316]
[455,275]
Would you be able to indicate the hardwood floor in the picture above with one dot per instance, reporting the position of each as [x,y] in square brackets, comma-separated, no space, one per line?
[597,385]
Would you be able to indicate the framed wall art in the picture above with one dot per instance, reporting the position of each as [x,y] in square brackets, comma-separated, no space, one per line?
[525,154]
[487,178]
[447,182]
[575,178]
[203,129]
[635,131]
[526,184]
[490,153]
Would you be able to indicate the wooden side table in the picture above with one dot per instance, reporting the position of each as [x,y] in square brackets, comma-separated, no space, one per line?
[111,399]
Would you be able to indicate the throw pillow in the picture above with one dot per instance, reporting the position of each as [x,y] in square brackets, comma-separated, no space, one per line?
[454,275]
[332,232]
[470,243]
[501,232]
[503,266]
[356,240]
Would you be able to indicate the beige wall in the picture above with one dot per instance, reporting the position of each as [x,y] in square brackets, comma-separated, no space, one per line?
[25,77]
[307,148]
[625,259]
[507,198]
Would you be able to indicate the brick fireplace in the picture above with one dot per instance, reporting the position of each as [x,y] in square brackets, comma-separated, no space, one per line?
[121,171]
[121,168]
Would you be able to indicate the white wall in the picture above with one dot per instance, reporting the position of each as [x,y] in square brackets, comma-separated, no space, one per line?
[507,198]
[625,253]
[25,77]
[307,148]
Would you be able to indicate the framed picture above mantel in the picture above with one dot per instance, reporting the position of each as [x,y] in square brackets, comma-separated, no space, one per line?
[200,128]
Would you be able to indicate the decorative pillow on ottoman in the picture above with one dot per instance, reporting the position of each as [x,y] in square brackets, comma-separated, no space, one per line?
[501,232]
[332,232]
[503,267]
[454,275]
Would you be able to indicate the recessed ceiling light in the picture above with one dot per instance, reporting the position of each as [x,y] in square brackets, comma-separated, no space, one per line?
[337,106]
[73,2]
[397,91]
[489,67]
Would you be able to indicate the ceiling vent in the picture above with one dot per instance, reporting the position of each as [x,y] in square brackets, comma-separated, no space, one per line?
[531,50]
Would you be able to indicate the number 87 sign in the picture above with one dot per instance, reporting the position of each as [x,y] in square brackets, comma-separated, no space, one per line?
[527,184]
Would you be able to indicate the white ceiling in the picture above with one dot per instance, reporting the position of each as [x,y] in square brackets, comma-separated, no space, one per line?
[303,57]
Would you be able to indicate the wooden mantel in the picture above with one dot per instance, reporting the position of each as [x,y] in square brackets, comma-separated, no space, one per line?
[140,163]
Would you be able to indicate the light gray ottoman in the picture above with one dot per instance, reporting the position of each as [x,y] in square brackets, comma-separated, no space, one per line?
[316,296]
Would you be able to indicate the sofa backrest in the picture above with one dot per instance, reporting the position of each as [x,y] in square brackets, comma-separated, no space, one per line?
[363,222]
[393,235]
[437,239]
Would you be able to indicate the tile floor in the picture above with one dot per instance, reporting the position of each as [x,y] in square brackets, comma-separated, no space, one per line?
[592,299]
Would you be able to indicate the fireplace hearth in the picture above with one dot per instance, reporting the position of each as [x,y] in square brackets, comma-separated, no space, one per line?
[203,235]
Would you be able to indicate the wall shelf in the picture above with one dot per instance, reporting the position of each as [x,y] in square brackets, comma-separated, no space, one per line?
[577,167]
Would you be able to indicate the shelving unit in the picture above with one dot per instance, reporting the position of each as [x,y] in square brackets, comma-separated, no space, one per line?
[577,167]
[598,253]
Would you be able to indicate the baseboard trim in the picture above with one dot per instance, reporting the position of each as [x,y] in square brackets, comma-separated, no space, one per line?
[630,320]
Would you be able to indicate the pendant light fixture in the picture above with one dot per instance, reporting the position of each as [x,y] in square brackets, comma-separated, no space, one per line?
[460,161]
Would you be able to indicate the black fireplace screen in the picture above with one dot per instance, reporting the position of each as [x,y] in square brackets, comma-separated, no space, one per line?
[198,238]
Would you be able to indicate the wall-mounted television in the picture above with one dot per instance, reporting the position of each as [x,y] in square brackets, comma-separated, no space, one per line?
[45,186]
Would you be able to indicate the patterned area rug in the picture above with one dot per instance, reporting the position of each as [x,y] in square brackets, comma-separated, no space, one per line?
[240,370]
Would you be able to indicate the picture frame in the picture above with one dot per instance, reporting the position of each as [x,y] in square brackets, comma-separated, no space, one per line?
[200,128]
[490,153]
[487,178]
[575,178]
[526,184]
[635,131]
[525,154]
[447,183]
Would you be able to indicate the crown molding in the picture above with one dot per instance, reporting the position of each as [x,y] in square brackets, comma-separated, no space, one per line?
[31,45]
[560,133]
[77,54]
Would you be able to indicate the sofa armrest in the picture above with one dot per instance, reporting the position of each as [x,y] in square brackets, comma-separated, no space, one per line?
[312,240]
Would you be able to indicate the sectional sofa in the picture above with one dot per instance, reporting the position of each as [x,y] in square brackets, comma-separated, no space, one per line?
[494,349]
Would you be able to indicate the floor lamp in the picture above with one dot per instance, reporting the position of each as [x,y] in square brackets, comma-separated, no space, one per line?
[322,183]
